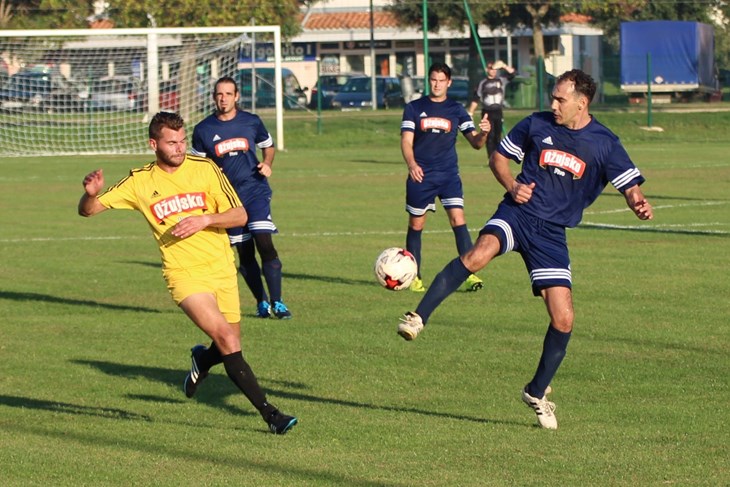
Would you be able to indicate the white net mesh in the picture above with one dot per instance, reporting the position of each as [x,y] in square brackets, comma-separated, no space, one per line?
[82,93]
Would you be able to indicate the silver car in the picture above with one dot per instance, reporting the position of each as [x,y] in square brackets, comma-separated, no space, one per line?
[116,94]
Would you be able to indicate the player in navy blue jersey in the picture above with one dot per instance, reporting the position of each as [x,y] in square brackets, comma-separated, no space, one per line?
[429,130]
[230,137]
[567,159]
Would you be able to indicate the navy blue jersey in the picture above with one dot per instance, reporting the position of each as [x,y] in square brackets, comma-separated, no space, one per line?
[232,145]
[570,168]
[436,126]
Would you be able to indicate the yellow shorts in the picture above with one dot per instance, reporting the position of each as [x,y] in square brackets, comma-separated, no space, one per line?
[223,284]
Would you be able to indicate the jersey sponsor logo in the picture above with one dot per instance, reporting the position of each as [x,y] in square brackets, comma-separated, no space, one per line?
[563,160]
[180,203]
[435,124]
[231,145]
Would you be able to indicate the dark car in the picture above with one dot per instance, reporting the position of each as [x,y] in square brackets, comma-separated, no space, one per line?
[43,90]
[357,93]
[294,95]
[459,89]
[331,85]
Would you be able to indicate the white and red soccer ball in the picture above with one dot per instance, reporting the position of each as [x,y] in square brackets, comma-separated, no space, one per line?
[395,268]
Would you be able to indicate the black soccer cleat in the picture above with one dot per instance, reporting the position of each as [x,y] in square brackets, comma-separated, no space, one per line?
[195,376]
[280,423]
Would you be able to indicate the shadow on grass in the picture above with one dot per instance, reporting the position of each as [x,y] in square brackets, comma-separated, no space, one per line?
[329,279]
[211,393]
[63,407]
[192,456]
[673,231]
[46,298]
[155,265]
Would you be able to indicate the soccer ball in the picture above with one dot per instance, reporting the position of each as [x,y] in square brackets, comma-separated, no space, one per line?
[395,268]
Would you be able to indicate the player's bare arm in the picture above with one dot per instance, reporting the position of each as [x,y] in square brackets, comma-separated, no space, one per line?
[233,217]
[478,139]
[93,183]
[637,202]
[406,147]
[521,193]
[264,166]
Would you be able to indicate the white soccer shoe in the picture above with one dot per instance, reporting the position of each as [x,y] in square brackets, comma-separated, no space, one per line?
[544,409]
[410,326]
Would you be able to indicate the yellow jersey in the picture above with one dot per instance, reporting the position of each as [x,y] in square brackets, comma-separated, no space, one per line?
[197,187]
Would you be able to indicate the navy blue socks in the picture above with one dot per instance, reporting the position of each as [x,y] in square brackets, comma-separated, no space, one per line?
[553,350]
[446,282]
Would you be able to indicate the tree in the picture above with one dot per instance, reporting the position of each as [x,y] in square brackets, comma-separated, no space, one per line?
[60,14]
[509,14]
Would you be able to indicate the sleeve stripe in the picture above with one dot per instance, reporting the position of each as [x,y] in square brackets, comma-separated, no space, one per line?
[625,178]
[511,148]
[408,125]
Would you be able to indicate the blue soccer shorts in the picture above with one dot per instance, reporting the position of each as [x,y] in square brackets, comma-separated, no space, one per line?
[542,245]
[259,221]
[421,197]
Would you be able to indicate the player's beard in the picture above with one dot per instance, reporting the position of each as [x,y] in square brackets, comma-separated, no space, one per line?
[170,160]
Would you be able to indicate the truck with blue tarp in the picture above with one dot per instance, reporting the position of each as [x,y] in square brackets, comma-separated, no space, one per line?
[672,57]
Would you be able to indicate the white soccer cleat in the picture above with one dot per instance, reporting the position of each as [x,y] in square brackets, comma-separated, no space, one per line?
[544,409]
[410,326]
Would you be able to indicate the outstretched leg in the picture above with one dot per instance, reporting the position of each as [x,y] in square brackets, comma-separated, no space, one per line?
[447,281]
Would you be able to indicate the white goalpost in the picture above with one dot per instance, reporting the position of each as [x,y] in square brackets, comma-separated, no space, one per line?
[93,91]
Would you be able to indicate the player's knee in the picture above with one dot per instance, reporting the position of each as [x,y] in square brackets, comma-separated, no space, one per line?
[562,319]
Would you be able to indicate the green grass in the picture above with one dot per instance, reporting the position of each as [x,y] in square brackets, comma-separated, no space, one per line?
[94,351]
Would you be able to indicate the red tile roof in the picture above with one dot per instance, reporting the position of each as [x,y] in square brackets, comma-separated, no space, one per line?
[384,20]
[349,20]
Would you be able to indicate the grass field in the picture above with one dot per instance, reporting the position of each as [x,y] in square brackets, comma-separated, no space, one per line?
[94,351]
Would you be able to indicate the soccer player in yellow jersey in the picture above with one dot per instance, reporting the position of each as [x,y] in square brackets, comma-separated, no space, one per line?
[188,204]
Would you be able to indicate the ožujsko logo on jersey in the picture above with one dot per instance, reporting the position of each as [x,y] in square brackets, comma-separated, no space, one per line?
[563,160]
[179,203]
[435,123]
[231,145]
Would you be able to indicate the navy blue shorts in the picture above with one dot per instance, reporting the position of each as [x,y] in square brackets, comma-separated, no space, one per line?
[259,221]
[421,197]
[542,245]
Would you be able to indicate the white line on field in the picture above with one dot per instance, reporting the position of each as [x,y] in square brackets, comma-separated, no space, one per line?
[655,227]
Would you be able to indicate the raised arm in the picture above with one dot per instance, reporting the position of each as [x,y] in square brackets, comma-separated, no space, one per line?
[478,139]
[89,204]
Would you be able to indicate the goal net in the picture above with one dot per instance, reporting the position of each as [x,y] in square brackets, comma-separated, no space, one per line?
[94,91]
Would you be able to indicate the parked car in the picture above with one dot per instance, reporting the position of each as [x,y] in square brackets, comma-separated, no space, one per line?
[169,96]
[459,89]
[116,93]
[357,93]
[43,90]
[294,95]
[331,85]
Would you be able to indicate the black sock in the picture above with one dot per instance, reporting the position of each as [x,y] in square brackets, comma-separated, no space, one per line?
[210,357]
[251,271]
[463,239]
[553,350]
[241,374]
[413,245]
[272,274]
[446,282]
